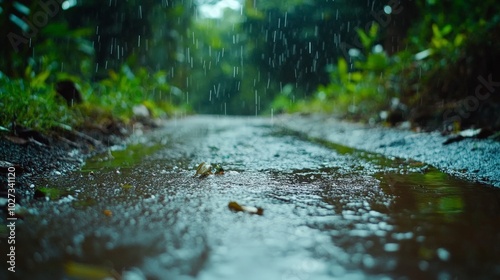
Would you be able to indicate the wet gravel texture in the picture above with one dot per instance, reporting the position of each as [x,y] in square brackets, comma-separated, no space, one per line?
[37,158]
[49,155]
[330,212]
[471,159]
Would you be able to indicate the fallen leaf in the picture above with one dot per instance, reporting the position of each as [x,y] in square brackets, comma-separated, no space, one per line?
[233,205]
[480,133]
[107,212]
[87,271]
[16,140]
[127,186]
[52,193]
[218,170]
[204,169]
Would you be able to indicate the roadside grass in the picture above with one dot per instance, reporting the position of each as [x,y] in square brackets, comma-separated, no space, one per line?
[34,103]
[34,107]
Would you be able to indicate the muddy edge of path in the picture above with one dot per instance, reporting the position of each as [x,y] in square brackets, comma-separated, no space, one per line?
[47,156]
[471,159]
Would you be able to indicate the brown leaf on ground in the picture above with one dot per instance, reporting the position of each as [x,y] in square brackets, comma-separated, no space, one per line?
[16,139]
[234,206]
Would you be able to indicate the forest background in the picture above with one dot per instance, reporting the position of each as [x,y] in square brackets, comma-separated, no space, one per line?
[430,63]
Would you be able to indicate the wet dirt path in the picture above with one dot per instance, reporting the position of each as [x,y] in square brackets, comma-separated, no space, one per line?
[330,212]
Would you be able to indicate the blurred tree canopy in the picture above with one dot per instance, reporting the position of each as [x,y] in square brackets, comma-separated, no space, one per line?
[107,34]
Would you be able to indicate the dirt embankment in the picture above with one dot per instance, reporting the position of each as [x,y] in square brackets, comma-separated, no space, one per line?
[32,154]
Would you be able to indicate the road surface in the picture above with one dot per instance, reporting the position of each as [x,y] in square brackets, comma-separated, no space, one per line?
[329,212]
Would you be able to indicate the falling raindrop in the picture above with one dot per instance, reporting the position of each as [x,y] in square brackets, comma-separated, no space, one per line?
[387,9]
[256,103]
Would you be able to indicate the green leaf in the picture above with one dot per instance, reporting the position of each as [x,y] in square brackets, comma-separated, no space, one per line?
[459,39]
[39,80]
[342,69]
[376,61]
[56,30]
[446,30]
[356,76]
[52,193]
[365,39]
[373,31]
[436,31]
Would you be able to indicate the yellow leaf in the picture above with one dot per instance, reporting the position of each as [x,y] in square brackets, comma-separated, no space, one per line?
[86,271]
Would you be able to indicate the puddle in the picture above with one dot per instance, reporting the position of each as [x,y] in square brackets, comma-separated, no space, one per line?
[121,157]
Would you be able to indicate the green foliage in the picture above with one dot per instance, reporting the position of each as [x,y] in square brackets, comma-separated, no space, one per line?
[356,92]
[359,91]
[70,46]
[41,45]
[121,91]
[269,55]
[32,103]
[223,80]
[447,48]
[65,50]
[285,101]
[368,39]
[453,46]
